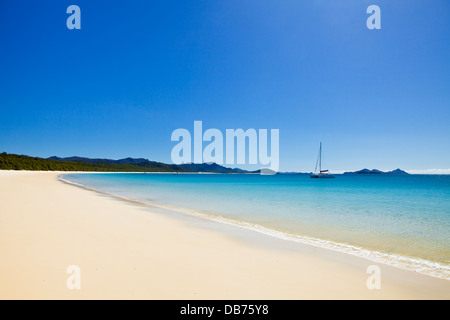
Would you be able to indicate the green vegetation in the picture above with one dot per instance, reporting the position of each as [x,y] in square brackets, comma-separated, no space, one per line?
[19,162]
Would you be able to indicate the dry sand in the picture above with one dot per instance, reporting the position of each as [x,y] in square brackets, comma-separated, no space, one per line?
[129,251]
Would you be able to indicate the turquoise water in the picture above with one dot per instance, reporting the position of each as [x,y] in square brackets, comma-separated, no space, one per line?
[399,220]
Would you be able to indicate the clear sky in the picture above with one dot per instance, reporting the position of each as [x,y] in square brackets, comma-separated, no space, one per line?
[137,70]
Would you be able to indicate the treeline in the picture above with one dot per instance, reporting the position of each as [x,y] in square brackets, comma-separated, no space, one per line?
[20,162]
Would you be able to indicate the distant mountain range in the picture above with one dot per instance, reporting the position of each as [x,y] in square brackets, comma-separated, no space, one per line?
[375,171]
[194,167]
[22,162]
[156,166]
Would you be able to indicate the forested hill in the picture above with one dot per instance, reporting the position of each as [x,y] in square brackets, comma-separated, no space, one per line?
[22,162]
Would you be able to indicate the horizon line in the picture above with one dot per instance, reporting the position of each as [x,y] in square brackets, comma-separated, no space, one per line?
[431,171]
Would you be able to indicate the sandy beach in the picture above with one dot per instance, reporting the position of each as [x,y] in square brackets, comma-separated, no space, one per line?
[129,251]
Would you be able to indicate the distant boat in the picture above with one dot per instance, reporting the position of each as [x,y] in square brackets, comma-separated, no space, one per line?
[321,173]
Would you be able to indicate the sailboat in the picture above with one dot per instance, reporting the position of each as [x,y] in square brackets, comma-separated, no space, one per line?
[321,173]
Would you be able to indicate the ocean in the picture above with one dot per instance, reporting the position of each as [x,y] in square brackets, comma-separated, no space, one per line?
[400,220]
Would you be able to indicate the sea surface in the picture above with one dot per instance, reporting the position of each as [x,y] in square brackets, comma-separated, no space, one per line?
[400,220]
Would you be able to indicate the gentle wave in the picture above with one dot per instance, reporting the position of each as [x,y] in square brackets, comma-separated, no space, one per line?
[430,268]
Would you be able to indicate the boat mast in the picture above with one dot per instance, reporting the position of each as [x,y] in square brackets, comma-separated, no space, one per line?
[320,157]
[317,162]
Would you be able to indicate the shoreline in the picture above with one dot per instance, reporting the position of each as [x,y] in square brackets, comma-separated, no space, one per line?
[151,253]
[420,265]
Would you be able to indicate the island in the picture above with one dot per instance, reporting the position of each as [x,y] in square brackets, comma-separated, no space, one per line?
[376,171]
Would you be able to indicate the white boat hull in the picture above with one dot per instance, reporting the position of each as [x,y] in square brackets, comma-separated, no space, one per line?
[322,176]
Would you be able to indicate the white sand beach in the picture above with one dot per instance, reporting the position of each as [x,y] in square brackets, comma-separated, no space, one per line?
[130,251]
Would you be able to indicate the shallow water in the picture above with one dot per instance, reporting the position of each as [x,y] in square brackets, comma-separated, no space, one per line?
[394,219]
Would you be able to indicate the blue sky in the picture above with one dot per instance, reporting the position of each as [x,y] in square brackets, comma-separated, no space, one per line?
[137,70]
